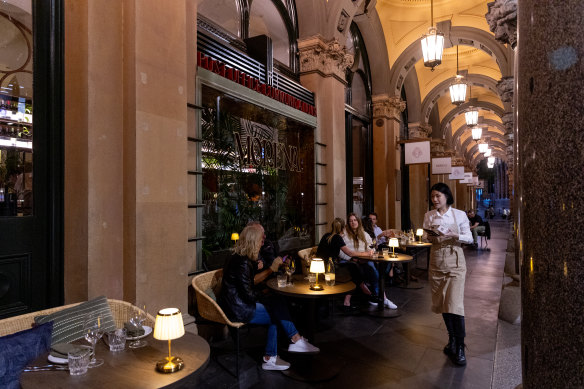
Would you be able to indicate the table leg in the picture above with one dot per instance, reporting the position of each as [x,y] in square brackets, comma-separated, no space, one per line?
[380,310]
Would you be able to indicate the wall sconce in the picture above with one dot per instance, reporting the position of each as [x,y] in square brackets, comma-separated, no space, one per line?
[168,326]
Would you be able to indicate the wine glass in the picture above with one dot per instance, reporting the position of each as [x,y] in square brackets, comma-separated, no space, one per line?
[137,319]
[93,330]
[290,270]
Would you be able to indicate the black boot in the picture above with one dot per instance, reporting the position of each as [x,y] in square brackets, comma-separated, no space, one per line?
[450,348]
[459,358]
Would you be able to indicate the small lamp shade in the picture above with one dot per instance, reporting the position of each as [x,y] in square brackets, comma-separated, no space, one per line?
[393,243]
[169,325]
[317,266]
[419,232]
[235,236]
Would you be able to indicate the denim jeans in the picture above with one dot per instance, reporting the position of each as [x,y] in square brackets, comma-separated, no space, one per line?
[371,276]
[261,316]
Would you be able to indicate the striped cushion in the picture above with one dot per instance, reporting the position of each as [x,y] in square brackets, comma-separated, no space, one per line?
[68,323]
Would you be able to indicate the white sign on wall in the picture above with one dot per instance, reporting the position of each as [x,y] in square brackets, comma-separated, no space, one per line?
[417,152]
[457,173]
[467,178]
[441,165]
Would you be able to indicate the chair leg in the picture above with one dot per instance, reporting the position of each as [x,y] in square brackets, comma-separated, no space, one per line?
[237,355]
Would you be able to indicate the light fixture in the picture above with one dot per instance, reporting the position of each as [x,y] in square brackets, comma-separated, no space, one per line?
[490,166]
[432,43]
[393,243]
[488,152]
[483,147]
[477,133]
[316,266]
[169,325]
[472,117]
[458,87]
[235,237]
[419,233]
[491,160]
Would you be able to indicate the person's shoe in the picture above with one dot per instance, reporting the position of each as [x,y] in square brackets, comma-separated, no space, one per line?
[389,304]
[302,346]
[275,363]
[350,309]
[458,357]
[373,300]
[450,348]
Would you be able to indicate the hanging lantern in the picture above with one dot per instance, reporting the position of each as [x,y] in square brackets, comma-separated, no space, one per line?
[458,88]
[491,160]
[490,166]
[471,116]
[483,147]
[432,43]
[477,133]
[488,153]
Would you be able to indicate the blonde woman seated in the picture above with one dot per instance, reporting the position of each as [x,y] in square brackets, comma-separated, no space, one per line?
[332,245]
[357,240]
[242,303]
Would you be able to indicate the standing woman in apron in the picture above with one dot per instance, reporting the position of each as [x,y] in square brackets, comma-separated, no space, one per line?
[448,266]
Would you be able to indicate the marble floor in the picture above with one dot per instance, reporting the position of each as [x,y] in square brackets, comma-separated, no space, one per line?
[402,352]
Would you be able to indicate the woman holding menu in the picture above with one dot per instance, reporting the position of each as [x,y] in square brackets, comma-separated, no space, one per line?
[447,228]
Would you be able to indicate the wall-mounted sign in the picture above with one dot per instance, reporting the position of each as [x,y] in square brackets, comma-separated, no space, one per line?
[457,173]
[467,178]
[417,152]
[253,83]
[441,165]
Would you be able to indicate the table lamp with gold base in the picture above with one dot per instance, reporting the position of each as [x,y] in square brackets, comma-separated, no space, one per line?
[420,232]
[317,266]
[169,325]
[393,243]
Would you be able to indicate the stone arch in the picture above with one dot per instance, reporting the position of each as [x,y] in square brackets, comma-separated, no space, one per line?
[462,35]
[488,122]
[461,108]
[442,89]
[496,147]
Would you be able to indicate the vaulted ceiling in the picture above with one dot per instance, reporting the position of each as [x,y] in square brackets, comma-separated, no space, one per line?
[484,60]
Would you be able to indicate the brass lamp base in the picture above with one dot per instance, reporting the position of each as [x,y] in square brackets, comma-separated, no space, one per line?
[170,365]
[316,287]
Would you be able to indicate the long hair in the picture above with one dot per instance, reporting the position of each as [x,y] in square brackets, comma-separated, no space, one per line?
[249,243]
[368,227]
[358,234]
[337,227]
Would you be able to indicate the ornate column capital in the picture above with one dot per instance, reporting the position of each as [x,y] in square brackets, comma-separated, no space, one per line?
[419,131]
[505,89]
[328,59]
[386,107]
[457,161]
[508,122]
[502,19]
[437,148]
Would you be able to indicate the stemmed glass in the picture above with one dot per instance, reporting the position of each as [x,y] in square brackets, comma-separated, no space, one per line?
[93,330]
[290,270]
[137,319]
[373,246]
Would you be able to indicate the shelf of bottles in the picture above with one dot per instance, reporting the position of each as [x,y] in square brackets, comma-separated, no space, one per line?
[15,122]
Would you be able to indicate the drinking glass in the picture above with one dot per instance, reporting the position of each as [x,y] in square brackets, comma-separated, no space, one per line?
[329,279]
[93,330]
[137,319]
[281,279]
[78,361]
[290,270]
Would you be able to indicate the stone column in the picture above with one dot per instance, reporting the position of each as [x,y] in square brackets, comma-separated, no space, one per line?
[322,70]
[550,121]
[386,159]
[418,173]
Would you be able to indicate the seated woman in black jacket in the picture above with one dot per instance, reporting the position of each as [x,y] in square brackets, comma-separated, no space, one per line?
[242,303]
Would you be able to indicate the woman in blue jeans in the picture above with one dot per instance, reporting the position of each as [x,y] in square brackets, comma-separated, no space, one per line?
[242,303]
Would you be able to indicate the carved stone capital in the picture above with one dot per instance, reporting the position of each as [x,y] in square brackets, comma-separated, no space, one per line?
[457,161]
[437,148]
[387,107]
[508,122]
[502,19]
[505,89]
[326,58]
[419,131]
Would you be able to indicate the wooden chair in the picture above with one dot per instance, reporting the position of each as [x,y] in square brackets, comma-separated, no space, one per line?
[207,286]
[485,235]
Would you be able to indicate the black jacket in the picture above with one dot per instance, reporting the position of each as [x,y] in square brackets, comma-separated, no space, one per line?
[238,297]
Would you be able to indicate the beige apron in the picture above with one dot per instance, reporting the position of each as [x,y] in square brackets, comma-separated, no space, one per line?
[447,275]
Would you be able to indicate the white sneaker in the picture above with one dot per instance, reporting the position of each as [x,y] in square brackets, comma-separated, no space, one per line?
[302,346]
[275,363]
[389,304]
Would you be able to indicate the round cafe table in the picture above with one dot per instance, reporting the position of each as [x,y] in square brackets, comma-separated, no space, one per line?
[311,367]
[414,248]
[381,261]
[130,368]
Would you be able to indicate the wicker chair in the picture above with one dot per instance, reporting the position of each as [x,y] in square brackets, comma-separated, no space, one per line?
[121,311]
[305,257]
[210,310]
